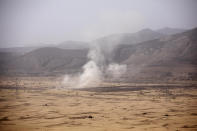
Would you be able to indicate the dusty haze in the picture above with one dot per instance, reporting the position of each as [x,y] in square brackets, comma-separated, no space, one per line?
[40,22]
[98,65]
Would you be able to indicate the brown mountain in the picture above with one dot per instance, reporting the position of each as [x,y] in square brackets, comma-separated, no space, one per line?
[165,58]
[170,31]
[170,57]
[49,61]
[129,38]
[109,43]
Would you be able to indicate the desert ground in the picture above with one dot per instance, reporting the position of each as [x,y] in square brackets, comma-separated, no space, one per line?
[33,103]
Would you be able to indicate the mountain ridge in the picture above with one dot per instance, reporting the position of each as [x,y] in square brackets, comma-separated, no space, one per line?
[168,57]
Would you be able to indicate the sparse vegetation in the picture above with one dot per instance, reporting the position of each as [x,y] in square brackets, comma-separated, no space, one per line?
[114,106]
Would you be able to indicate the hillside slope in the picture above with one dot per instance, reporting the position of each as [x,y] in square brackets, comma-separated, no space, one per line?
[173,56]
[49,60]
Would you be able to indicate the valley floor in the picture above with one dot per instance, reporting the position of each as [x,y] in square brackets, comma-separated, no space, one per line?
[25,106]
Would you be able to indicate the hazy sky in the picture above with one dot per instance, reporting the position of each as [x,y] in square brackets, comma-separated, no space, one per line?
[27,22]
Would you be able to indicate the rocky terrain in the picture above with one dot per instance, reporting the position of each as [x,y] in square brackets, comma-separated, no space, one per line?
[42,103]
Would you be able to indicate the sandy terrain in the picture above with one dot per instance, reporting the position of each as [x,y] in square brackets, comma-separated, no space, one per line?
[38,107]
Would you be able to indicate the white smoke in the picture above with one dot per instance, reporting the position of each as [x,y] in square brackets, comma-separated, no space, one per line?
[91,75]
[94,71]
[116,70]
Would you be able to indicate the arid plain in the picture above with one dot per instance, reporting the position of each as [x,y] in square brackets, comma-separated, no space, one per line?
[32,103]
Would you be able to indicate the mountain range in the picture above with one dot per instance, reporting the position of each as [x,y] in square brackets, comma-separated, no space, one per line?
[165,54]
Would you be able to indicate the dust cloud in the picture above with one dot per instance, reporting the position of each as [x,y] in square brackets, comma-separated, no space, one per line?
[97,69]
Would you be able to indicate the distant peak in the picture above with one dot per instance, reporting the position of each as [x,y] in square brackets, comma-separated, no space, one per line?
[146,30]
[170,31]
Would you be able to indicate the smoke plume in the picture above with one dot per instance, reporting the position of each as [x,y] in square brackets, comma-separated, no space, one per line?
[116,70]
[97,69]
